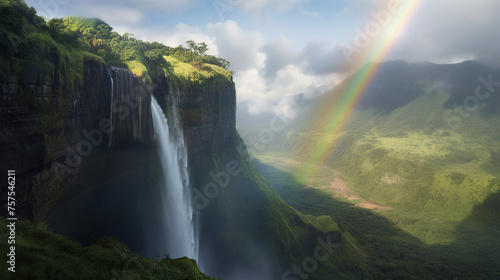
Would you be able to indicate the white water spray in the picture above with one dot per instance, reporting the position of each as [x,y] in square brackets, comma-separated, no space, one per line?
[176,196]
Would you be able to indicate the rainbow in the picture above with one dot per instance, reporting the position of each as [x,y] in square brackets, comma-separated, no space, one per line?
[334,113]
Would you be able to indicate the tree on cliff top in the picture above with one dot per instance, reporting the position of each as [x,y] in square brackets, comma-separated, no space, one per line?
[195,54]
[197,48]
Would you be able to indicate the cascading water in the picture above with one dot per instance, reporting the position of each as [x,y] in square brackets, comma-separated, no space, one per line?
[179,223]
[111,109]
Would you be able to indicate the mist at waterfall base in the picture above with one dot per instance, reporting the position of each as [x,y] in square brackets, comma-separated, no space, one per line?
[256,264]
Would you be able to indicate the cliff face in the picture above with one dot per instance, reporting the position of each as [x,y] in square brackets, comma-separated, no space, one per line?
[131,107]
[48,129]
[206,112]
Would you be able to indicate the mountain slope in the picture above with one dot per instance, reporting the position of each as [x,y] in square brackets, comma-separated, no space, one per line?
[412,142]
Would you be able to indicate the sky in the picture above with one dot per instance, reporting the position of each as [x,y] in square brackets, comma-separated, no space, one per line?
[286,51]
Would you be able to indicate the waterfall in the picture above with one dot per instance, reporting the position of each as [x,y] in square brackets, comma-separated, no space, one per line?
[112,82]
[176,197]
[111,109]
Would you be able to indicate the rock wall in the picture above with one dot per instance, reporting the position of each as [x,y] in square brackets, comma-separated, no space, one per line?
[131,106]
[47,130]
[207,112]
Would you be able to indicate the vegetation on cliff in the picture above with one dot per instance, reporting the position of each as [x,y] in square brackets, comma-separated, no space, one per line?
[144,59]
[31,51]
[43,254]
[34,49]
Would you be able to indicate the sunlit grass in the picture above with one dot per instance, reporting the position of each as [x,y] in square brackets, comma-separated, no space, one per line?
[136,67]
[414,144]
[189,72]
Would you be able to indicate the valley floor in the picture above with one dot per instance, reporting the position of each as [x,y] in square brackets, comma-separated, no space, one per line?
[334,183]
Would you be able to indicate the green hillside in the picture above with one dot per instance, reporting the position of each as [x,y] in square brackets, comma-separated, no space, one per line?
[394,244]
[43,254]
[406,147]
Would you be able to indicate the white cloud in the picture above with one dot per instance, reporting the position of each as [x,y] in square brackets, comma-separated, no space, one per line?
[234,44]
[269,76]
[278,55]
[251,89]
[164,5]
[290,82]
[117,15]
[184,32]
[321,58]
[280,95]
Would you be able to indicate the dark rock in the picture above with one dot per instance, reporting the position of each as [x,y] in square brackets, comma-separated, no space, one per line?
[47,130]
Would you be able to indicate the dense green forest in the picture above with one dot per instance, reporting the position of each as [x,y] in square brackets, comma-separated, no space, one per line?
[59,45]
